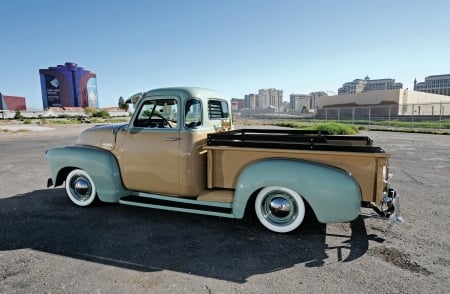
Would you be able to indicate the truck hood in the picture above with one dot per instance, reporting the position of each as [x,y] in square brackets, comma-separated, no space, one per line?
[102,136]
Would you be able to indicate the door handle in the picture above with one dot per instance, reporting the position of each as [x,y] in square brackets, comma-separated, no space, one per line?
[172,139]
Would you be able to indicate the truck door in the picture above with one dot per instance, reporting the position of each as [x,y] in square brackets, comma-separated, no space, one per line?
[150,149]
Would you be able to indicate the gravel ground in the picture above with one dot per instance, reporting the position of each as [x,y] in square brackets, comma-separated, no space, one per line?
[47,245]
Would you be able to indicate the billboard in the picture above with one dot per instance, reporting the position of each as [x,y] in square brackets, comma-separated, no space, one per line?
[53,91]
[92,96]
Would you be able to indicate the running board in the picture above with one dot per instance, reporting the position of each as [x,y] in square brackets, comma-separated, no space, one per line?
[179,204]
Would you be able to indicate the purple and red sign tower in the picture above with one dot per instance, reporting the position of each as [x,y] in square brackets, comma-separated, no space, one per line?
[68,86]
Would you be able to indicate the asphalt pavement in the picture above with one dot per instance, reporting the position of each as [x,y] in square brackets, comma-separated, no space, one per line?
[48,245]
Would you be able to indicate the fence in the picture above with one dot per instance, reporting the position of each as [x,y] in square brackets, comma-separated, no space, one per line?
[431,115]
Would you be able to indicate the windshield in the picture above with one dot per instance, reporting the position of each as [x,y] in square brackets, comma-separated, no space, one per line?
[157,113]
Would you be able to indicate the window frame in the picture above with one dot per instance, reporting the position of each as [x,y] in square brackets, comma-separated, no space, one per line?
[148,101]
[222,102]
[186,110]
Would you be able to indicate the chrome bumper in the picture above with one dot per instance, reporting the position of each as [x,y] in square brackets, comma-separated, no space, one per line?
[394,197]
[390,207]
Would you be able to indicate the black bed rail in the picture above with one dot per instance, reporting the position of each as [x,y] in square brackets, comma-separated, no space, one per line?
[293,139]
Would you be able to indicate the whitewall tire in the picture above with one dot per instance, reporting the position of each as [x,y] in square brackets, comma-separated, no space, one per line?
[80,188]
[279,209]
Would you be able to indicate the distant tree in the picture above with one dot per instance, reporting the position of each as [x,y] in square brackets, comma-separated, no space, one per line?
[146,113]
[18,115]
[125,106]
[122,104]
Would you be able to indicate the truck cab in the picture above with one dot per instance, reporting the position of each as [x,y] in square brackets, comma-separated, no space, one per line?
[160,149]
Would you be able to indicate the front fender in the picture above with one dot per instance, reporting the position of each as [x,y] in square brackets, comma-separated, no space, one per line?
[101,165]
[332,193]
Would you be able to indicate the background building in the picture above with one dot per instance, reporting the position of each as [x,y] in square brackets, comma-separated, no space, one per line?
[384,103]
[300,102]
[12,103]
[270,98]
[439,84]
[237,103]
[366,85]
[250,101]
[265,99]
[68,86]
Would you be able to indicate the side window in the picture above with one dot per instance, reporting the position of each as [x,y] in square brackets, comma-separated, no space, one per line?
[218,109]
[157,113]
[193,113]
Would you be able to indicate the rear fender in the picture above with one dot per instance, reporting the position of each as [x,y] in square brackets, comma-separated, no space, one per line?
[332,193]
[101,165]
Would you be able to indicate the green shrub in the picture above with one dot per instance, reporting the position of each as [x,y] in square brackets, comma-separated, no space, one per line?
[18,115]
[27,122]
[101,113]
[337,128]
[331,127]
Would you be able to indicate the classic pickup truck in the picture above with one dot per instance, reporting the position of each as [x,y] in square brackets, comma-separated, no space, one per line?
[180,152]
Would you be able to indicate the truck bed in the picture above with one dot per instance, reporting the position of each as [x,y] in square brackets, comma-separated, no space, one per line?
[293,139]
[230,152]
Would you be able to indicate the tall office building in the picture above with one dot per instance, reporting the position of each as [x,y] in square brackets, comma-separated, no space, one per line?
[250,101]
[438,84]
[270,98]
[366,85]
[68,86]
[265,99]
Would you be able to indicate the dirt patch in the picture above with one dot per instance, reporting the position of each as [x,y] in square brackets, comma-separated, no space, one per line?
[399,259]
[9,131]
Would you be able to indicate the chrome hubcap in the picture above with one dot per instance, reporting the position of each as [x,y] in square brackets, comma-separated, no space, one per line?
[80,188]
[279,208]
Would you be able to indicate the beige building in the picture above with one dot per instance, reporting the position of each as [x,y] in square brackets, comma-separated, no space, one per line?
[270,98]
[265,99]
[438,84]
[367,85]
[389,102]
[300,102]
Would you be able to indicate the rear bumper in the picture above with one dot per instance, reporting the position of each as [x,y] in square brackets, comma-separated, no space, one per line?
[394,197]
[389,207]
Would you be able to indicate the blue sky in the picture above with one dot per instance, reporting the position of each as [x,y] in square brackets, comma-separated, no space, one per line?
[233,46]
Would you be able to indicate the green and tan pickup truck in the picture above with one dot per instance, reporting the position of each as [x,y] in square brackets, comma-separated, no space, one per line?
[180,152]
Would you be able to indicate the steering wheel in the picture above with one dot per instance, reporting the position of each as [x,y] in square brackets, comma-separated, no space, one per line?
[165,121]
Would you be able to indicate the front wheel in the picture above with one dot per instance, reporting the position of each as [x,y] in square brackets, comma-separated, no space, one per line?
[279,209]
[80,188]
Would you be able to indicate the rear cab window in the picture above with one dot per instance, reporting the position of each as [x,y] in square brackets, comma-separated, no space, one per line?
[218,109]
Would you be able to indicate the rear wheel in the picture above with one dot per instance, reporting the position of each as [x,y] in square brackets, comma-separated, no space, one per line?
[279,209]
[80,188]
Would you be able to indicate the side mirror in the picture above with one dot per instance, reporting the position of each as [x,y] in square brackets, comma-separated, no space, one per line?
[134,99]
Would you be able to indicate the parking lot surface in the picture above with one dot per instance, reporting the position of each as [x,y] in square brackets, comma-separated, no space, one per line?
[47,245]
